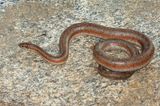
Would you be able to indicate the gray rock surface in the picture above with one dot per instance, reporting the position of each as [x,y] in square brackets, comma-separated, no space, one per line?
[26,79]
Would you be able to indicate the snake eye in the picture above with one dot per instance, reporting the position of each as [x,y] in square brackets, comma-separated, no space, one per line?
[20,45]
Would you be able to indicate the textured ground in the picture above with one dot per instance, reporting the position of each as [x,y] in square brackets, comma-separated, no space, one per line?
[25,79]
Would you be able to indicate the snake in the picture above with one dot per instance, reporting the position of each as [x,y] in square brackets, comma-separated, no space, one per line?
[138,47]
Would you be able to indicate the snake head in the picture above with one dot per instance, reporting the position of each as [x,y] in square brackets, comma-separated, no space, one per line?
[24,45]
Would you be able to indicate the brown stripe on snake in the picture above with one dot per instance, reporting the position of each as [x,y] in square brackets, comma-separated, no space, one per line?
[139,48]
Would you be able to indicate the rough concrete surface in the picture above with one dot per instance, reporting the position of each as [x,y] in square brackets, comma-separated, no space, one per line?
[27,80]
